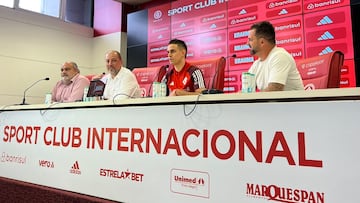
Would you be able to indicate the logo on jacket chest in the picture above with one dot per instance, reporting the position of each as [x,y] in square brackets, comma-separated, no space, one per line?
[185,80]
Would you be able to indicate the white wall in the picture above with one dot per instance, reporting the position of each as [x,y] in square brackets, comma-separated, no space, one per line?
[103,44]
[33,46]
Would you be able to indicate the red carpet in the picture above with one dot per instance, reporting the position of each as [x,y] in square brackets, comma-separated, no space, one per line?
[13,191]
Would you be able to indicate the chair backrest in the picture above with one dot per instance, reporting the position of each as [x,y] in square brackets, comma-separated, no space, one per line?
[321,72]
[213,70]
[146,76]
[90,77]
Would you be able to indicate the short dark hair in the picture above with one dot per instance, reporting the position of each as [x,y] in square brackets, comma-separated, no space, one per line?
[264,30]
[180,43]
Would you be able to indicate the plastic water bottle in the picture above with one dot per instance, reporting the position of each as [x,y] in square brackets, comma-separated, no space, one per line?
[85,98]
[162,89]
[155,89]
[48,98]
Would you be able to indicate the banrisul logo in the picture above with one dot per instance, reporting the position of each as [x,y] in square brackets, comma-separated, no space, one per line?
[276,193]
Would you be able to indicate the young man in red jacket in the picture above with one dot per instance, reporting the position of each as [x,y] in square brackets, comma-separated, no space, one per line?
[183,78]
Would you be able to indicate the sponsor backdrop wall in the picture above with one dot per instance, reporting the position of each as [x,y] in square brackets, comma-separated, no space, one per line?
[213,28]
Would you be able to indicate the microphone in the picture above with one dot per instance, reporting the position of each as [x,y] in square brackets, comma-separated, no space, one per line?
[23,101]
[232,56]
[211,90]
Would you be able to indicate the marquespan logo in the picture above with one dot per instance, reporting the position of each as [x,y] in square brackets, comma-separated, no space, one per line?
[157,14]
[75,168]
[274,193]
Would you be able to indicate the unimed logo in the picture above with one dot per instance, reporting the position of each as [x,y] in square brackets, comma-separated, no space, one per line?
[75,169]
[194,183]
[283,194]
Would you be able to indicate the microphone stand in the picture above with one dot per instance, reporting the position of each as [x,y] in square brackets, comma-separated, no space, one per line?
[23,101]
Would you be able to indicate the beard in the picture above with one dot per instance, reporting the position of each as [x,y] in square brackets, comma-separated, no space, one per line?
[113,71]
[66,79]
[253,51]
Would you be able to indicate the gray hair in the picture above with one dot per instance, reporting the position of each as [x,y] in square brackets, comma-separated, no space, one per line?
[75,66]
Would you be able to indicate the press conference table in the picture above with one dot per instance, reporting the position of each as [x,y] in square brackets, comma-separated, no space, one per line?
[296,146]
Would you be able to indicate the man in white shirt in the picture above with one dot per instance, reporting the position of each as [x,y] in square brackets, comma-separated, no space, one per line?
[275,69]
[121,82]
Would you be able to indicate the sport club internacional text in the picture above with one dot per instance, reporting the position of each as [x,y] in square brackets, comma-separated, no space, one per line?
[191,143]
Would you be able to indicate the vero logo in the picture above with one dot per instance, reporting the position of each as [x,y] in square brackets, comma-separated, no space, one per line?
[75,169]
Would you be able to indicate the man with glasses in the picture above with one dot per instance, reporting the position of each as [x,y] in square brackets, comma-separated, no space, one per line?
[275,69]
[71,87]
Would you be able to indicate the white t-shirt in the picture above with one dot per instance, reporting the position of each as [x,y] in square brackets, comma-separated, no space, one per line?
[123,85]
[278,67]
